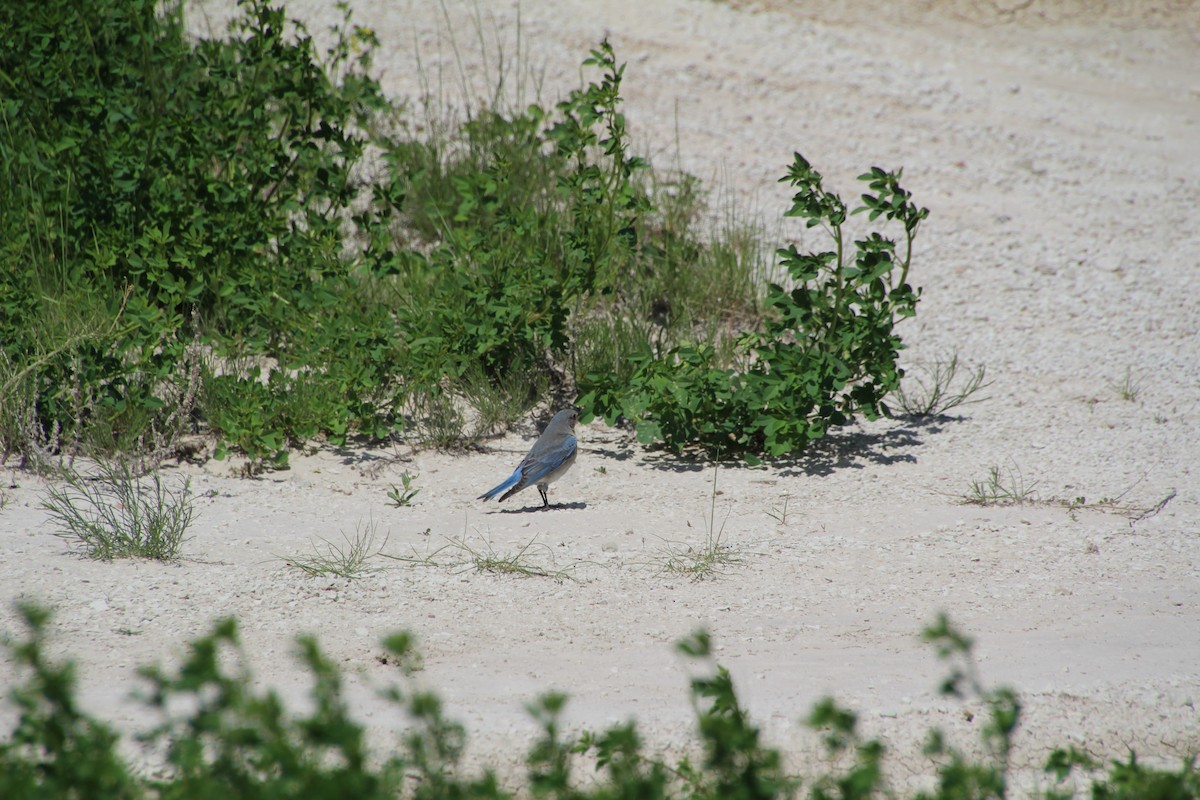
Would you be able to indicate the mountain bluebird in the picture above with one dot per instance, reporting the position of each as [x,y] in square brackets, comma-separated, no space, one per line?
[548,460]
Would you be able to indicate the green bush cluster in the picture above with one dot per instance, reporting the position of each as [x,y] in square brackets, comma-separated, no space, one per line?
[222,738]
[178,191]
[827,351]
[240,234]
[538,219]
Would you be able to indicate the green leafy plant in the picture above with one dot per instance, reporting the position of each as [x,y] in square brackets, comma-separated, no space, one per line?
[178,189]
[542,219]
[402,496]
[827,352]
[55,748]
[245,410]
[118,514]
[222,736]
[239,742]
[550,250]
[958,774]
[206,197]
[1125,780]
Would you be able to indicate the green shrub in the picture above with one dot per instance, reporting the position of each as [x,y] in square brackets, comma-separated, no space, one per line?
[826,353]
[533,223]
[164,196]
[176,189]
[56,750]
[223,738]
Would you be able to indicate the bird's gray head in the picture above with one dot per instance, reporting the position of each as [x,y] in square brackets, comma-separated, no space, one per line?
[568,416]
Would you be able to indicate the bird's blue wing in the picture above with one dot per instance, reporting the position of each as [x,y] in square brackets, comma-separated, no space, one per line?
[545,461]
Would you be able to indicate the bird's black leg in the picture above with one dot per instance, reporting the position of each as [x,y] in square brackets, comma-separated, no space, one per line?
[545,499]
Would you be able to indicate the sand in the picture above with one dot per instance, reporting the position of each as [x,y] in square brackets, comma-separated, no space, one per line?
[1058,151]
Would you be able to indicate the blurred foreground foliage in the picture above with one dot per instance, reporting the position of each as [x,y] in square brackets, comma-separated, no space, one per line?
[221,737]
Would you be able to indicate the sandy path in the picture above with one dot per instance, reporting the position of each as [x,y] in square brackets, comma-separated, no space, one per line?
[1060,157]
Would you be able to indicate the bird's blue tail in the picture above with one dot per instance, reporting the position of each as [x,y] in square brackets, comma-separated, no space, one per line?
[509,482]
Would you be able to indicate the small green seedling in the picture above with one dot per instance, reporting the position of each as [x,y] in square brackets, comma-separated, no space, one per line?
[402,496]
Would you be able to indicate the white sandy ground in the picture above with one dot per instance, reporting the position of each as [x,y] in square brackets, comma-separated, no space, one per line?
[1059,153]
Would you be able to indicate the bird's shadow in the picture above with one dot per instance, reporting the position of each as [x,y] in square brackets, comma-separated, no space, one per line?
[576,506]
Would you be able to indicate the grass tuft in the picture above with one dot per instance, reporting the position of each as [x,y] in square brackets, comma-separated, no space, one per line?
[1001,489]
[343,561]
[934,393]
[459,556]
[520,562]
[709,559]
[779,513]
[1115,505]
[118,514]
[1128,388]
